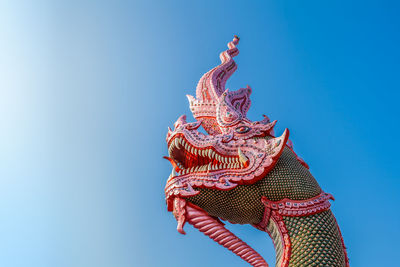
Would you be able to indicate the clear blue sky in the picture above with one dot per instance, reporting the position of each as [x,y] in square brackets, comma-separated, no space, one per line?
[88,89]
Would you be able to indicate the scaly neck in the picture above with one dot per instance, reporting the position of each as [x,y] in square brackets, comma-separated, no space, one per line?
[307,240]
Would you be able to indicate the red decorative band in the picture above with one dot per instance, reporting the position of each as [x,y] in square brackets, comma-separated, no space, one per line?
[296,208]
[275,210]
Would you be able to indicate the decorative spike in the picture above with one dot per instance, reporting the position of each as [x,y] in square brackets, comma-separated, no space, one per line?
[191,99]
[180,121]
[210,86]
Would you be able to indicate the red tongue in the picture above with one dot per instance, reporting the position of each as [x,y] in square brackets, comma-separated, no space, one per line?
[214,229]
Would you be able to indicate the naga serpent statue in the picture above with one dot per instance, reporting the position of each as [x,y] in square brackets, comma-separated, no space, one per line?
[240,172]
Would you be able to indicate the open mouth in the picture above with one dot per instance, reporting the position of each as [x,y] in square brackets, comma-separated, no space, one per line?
[186,158]
[200,161]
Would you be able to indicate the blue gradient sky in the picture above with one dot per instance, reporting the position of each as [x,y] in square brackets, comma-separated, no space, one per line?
[88,88]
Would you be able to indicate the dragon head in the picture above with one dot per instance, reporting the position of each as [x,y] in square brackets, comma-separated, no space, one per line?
[211,171]
[235,150]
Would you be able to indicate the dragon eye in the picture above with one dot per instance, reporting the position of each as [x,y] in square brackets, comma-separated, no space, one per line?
[242,129]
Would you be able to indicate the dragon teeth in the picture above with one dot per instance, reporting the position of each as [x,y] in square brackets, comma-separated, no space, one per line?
[242,157]
[209,167]
[174,173]
[177,143]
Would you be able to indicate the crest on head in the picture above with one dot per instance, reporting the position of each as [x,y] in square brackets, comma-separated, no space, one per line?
[216,107]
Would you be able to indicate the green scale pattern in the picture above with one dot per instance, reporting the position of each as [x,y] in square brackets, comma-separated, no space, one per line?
[315,239]
[288,179]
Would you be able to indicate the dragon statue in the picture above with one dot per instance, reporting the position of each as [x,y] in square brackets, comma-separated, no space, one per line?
[242,173]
